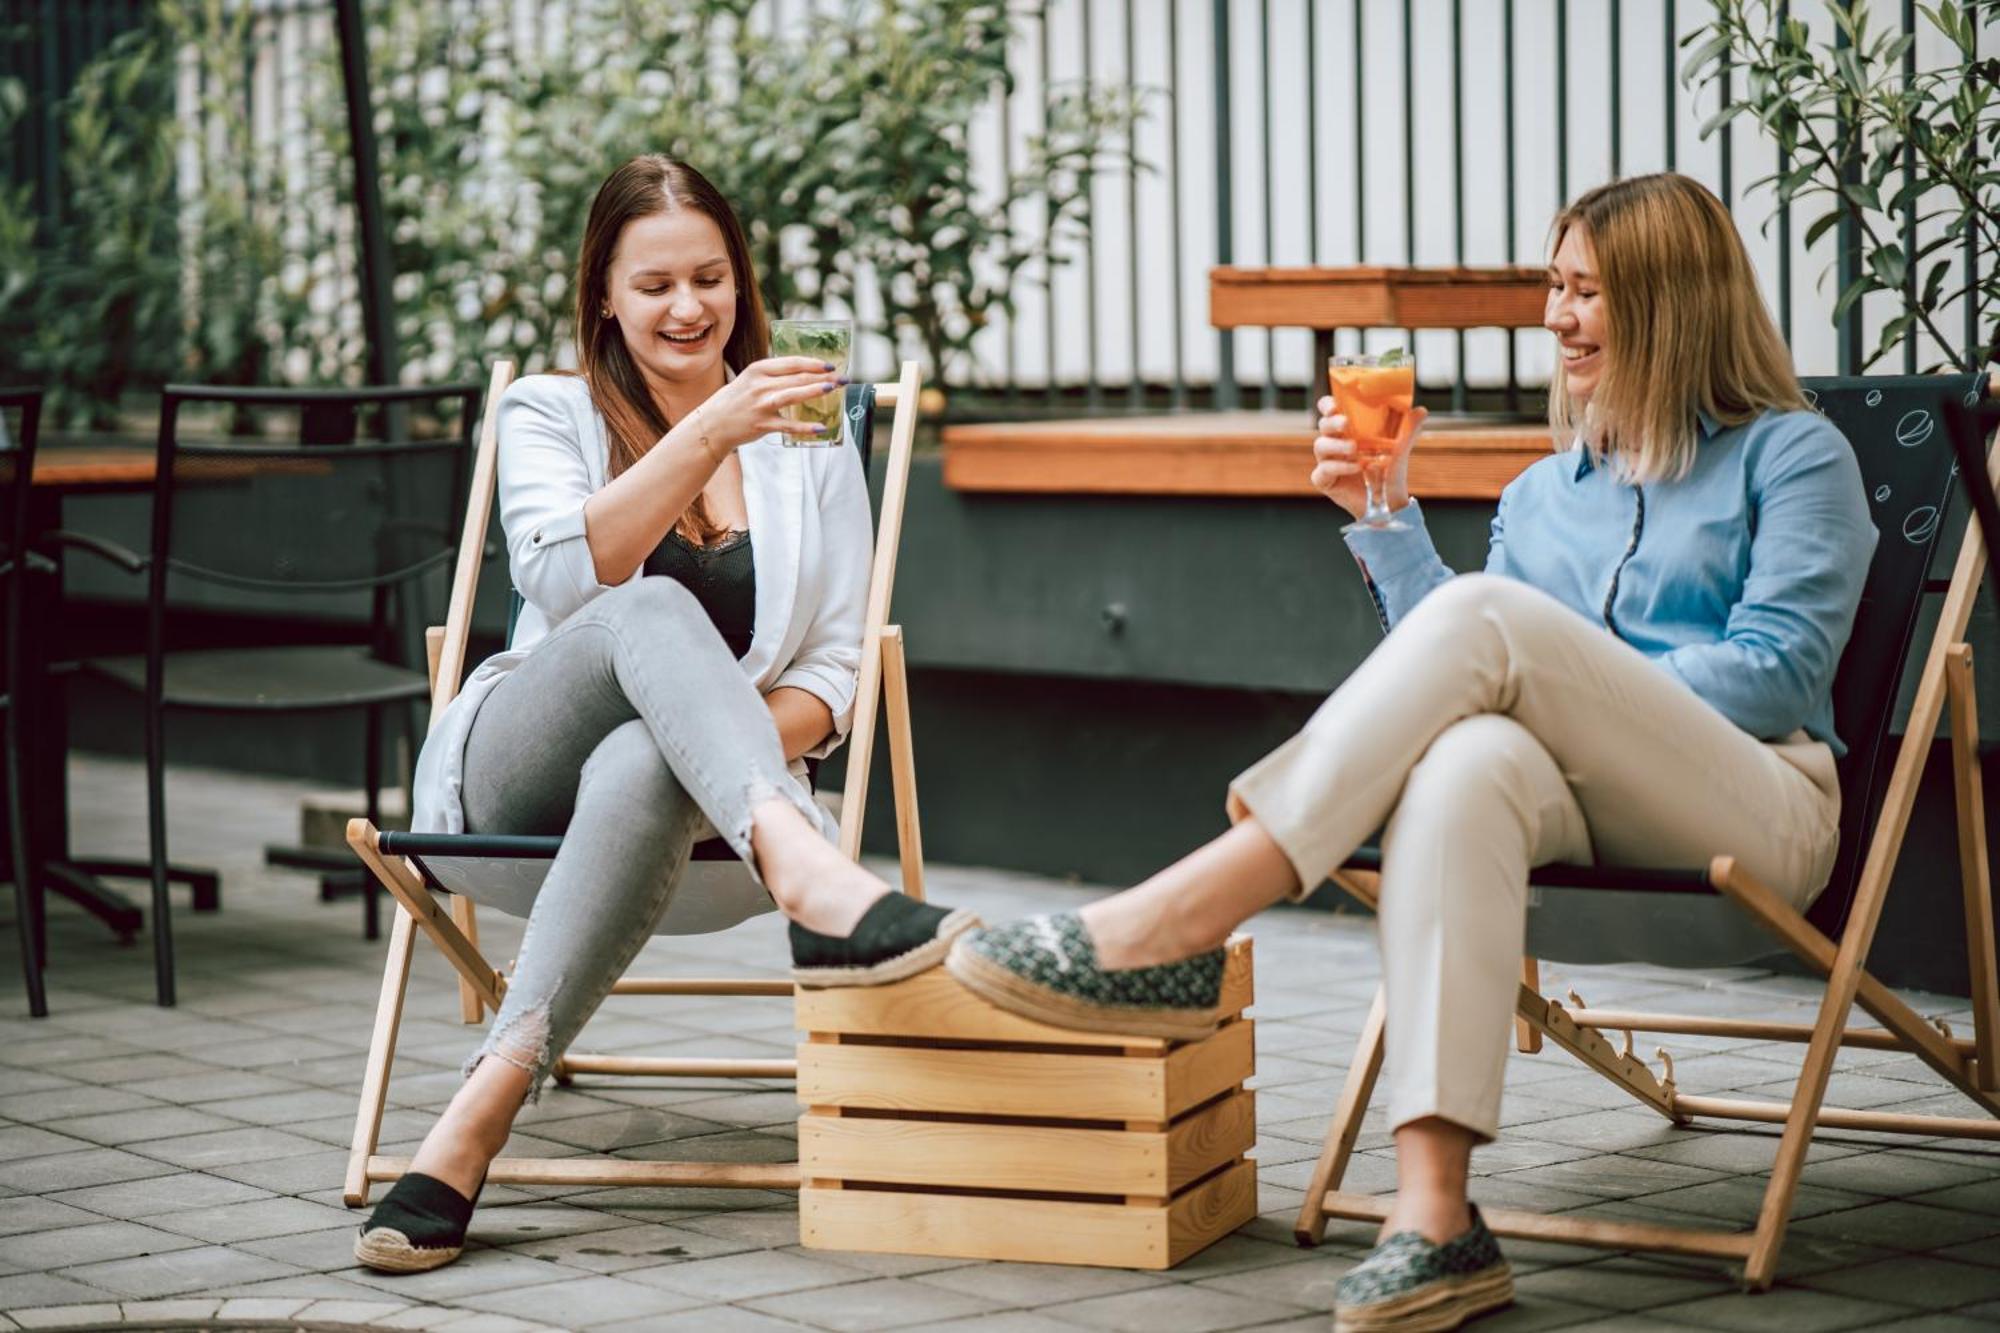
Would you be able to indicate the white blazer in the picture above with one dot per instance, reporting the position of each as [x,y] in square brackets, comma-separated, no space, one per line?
[812,545]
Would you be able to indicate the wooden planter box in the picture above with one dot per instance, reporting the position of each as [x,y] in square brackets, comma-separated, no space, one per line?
[937,1124]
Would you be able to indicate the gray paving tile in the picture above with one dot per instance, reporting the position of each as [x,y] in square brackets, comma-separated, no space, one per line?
[581,1302]
[147,1123]
[230,1147]
[286,1108]
[1613,1176]
[75,1170]
[328,1250]
[1921,1280]
[68,1316]
[1626,1284]
[711,1319]
[1737,1199]
[160,1194]
[884,1303]
[258,1218]
[322,1168]
[1736,1150]
[1781,1310]
[54,1106]
[68,1246]
[25,1291]
[18,1141]
[28,1212]
[1036,1284]
[1904,1226]
[203,1268]
[1307,1282]
[617,1248]
[211,1084]
[742,1277]
[478,1270]
[133,1069]
[1193,1309]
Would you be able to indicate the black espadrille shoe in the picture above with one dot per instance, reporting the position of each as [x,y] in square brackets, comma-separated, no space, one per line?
[896,937]
[1046,968]
[419,1225]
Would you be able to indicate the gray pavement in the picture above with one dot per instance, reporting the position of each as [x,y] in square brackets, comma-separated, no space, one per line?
[159,1167]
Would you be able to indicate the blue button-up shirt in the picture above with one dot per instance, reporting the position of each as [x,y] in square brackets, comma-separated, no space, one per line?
[1741,579]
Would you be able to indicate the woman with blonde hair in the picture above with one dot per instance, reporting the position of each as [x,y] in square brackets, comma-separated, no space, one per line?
[1642,673]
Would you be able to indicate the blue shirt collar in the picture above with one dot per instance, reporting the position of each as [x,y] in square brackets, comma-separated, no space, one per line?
[1708,425]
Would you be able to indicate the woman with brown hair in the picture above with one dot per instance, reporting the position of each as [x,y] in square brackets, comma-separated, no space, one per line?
[691,633]
[1642,673]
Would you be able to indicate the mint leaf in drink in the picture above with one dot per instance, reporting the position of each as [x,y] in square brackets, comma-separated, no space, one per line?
[1395,356]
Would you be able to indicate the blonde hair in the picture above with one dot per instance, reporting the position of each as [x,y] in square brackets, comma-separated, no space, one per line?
[1686,329]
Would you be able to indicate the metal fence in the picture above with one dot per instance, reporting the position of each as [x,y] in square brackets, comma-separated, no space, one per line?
[1277,131]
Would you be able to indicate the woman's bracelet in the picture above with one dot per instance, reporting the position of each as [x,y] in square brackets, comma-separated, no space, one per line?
[701,429]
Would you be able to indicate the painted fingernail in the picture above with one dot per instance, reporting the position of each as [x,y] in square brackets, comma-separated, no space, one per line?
[819,428]
[845,379]
[827,365]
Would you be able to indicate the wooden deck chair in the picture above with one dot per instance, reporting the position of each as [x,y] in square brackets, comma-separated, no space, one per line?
[418,868]
[1719,914]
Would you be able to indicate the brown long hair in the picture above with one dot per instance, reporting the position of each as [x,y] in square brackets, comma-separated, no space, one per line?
[648,184]
[1686,328]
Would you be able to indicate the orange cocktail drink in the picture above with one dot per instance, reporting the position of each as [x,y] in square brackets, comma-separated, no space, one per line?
[1375,394]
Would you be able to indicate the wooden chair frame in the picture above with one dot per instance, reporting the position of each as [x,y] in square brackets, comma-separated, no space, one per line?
[454,931]
[1972,1066]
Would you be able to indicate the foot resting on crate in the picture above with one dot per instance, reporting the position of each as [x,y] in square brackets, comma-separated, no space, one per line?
[1046,968]
[419,1225]
[1412,1285]
[896,937]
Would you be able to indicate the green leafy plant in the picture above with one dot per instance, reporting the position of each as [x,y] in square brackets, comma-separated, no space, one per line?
[1845,117]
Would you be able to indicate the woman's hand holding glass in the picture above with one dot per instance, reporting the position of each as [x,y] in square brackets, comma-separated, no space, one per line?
[753,404]
[1337,461]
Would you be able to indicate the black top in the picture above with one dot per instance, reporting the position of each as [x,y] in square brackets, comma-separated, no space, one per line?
[722,578]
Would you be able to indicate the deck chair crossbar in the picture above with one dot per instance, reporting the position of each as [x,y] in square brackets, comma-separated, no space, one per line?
[1833,939]
[402,861]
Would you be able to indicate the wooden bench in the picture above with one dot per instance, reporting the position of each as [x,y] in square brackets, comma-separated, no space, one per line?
[1255,453]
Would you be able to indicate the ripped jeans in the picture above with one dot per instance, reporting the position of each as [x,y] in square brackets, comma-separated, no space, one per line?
[619,731]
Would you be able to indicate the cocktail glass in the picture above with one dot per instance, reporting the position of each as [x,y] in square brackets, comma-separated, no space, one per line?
[1375,394]
[829,340]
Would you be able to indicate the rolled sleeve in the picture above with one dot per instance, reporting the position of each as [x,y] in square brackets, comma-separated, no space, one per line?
[1400,567]
[544,483]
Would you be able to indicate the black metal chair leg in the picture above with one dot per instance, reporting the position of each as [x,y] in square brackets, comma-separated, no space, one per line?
[156,819]
[371,892]
[205,885]
[28,913]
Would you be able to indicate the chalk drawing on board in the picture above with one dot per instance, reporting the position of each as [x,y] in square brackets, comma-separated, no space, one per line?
[1914,428]
[1874,398]
[1881,493]
[1972,396]
[1920,523]
[1812,399]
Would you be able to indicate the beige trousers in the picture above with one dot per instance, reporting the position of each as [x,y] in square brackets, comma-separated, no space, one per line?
[1495,729]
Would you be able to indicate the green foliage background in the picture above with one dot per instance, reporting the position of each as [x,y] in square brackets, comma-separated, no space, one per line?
[202,251]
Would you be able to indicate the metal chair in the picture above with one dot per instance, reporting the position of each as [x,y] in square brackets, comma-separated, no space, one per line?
[1719,914]
[17,468]
[350,516]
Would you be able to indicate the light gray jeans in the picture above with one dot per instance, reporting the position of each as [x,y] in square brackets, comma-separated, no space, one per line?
[618,731]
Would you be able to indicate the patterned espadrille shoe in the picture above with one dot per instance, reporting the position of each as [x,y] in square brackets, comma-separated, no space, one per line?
[1411,1285]
[896,937]
[419,1225]
[1046,968]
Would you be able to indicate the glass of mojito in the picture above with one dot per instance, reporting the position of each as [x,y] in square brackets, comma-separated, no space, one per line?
[830,340]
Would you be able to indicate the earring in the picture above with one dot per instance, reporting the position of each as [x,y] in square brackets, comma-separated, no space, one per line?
[604,313]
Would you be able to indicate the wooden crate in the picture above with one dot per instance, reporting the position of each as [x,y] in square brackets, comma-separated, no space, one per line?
[938,1124]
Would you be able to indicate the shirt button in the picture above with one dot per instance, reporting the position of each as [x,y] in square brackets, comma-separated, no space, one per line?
[538,536]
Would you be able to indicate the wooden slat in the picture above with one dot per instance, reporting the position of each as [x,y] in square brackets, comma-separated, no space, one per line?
[618,1171]
[1570,1230]
[1267,454]
[680,1066]
[1345,1130]
[1750,1029]
[1975,880]
[933,1005]
[1039,1157]
[1025,1083]
[1376,298]
[94,467]
[1029,1230]
[1834,1117]
[381,1056]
